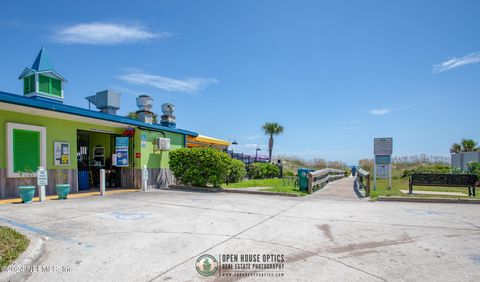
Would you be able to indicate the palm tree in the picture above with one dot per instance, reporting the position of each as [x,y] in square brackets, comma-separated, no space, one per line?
[456,148]
[468,145]
[271,129]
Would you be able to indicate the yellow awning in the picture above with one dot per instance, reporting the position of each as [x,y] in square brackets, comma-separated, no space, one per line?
[207,140]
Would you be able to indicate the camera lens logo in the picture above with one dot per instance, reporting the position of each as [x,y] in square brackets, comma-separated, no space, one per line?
[206,265]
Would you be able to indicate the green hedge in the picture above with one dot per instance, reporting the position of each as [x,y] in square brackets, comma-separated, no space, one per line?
[237,171]
[263,170]
[205,166]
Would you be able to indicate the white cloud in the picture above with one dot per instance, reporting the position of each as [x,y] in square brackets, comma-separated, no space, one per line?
[472,58]
[251,137]
[380,112]
[189,85]
[103,34]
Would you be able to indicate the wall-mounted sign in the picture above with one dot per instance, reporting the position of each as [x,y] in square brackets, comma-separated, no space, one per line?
[383,146]
[121,150]
[62,153]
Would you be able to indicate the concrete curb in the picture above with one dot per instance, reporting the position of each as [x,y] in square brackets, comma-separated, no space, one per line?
[232,190]
[33,253]
[429,200]
[240,191]
[194,189]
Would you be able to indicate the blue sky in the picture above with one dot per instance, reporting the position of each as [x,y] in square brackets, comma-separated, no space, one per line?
[336,74]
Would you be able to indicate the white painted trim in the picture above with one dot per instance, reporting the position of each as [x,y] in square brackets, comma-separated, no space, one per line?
[10,126]
[64,116]
[49,96]
[37,86]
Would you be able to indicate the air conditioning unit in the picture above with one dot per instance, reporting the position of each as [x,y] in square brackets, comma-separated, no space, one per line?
[162,144]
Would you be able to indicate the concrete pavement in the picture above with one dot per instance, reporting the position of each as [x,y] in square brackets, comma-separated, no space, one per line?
[158,236]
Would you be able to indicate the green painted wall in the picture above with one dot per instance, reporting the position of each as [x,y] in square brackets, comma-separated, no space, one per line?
[66,131]
[57,130]
[153,158]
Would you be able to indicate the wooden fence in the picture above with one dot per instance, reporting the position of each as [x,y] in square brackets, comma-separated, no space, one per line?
[319,178]
[361,175]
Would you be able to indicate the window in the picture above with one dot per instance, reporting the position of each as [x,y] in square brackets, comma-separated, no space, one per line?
[50,85]
[44,83]
[29,84]
[26,148]
[56,87]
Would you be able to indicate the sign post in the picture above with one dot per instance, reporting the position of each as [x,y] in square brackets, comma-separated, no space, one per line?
[42,181]
[383,149]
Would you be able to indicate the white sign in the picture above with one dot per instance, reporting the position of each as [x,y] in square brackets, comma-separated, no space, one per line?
[42,177]
[383,146]
[382,170]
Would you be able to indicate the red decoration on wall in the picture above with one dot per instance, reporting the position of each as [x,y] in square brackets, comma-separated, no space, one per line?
[137,155]
[129,132]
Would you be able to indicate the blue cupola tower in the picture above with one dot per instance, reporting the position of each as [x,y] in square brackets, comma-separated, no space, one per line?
[41,81]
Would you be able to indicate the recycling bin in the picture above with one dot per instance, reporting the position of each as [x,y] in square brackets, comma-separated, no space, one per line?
[303,178]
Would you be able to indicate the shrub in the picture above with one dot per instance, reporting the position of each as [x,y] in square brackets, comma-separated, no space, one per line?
[204,166]
[474,167]
[263,170]
[236,172]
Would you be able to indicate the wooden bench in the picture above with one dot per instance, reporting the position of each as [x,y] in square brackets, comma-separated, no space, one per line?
[445,180]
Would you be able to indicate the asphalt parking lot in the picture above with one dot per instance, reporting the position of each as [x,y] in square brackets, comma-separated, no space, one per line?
[158,236]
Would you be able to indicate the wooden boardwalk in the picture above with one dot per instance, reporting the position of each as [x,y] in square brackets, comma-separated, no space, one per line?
[342,189]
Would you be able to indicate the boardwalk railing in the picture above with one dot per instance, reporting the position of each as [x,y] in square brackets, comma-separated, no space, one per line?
[319,178]
[361,175]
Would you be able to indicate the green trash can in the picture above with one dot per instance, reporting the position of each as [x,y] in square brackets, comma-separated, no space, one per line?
[303,178]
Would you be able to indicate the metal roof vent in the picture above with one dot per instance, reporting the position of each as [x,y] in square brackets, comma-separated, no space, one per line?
[145,104]
[168,119]
[106,101]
